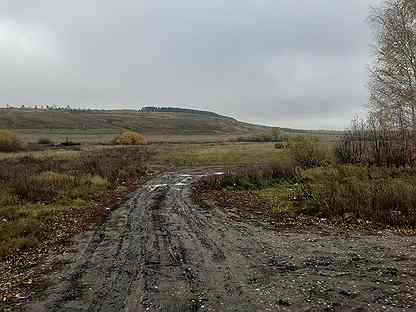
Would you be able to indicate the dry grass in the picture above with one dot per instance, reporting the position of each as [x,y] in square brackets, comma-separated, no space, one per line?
[10,142]
[130,138]
[35,190]
[251,178]
[381,195]
[309,152]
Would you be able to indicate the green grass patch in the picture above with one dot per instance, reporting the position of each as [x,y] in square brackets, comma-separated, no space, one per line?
[89,136]
[231,154]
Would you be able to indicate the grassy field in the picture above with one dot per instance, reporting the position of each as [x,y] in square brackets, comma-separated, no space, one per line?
[106,136]
[90,136]
[171,123]
[44,197]
[226,154]
[179,154]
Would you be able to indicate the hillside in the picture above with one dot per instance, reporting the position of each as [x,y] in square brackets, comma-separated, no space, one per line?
[154,122]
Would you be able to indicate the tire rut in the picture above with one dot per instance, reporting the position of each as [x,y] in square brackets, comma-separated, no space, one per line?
[160,252]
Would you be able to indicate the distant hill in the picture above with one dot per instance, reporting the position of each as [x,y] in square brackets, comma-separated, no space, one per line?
[149,120]
[154,109]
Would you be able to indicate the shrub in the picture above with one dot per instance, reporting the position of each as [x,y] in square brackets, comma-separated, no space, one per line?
[9,142]
[251,178]
[381,195]
[307,152]
[374,141]
[130,138]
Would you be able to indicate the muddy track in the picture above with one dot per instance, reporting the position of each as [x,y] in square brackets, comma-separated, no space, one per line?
[161,252]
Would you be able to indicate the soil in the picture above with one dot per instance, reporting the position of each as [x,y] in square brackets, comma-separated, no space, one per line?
[160,251]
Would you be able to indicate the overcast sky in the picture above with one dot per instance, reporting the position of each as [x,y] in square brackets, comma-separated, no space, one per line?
[300,64]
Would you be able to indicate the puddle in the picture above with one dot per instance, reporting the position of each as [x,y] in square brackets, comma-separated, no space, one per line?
[152,188]
[185,175]
[187,180]
[203,175]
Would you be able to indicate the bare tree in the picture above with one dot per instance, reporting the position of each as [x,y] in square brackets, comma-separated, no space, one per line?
[388,136]
[393,78]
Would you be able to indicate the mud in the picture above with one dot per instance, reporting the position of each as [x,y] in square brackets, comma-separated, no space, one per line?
[161,252]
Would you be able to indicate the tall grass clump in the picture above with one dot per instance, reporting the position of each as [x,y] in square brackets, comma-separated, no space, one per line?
[43,187]
[9,142]
[116,164]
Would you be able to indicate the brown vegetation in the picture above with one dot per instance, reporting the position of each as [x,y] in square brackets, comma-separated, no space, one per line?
[350,192]
[34,191]
[374,142]
[130,138]
[9,142]
[308,152]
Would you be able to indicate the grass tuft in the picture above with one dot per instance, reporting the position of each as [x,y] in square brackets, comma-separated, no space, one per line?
[9,142]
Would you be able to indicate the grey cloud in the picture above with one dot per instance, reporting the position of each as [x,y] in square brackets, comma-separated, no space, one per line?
[292,63]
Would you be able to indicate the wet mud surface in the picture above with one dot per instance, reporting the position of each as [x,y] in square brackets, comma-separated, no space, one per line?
[161,252]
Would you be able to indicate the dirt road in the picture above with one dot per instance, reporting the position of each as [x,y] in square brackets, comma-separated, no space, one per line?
[160,252]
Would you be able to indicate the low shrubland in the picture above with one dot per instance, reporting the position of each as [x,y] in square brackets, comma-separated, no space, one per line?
[312,183]
[252,178]
[383,195]
[33,190]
